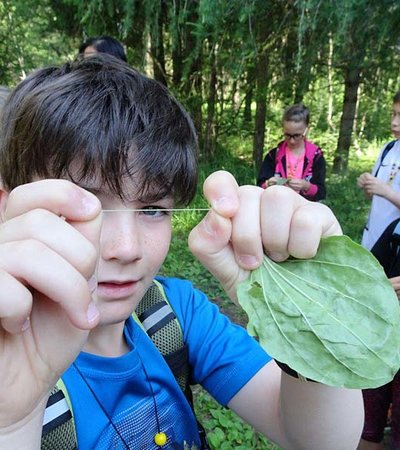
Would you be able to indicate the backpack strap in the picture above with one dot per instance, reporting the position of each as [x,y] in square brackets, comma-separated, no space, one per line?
[395,240]
[385,151]
[58,430]
[158,319]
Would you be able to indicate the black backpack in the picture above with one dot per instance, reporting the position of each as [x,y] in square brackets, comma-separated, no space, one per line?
[384,153]
[387,249]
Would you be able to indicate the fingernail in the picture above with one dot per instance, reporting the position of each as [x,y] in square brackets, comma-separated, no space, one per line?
[92,312]
[92,283]
[207,225]
[90,204]
[223,203]
[248,260]
[26,325]
[278,257]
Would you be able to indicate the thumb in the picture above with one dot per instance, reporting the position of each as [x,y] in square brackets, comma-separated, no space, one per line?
[210,243]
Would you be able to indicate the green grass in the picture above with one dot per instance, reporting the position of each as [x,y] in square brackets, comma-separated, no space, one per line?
[225,430]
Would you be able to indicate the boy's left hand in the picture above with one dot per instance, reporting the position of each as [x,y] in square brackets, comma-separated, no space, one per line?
[247,222]
[395,281]
[373,186]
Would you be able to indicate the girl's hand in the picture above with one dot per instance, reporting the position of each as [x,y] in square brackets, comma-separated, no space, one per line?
[298,184]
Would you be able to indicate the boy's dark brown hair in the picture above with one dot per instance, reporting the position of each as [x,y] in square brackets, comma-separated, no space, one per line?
[98,117]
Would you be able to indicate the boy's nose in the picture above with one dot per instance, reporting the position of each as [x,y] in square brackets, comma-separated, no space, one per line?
[121,238]
[396,120]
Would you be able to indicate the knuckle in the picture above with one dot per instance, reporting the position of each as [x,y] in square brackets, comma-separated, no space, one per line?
[90,259]
[251,190]
[277,194]
[36,218]
[23,250]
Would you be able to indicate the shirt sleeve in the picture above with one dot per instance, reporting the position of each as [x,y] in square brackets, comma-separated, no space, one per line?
[222,355]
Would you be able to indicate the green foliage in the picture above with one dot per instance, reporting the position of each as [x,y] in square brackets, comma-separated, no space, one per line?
[325,315]
[225,430]
[29,38]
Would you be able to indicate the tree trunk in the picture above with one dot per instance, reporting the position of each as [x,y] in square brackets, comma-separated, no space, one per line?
[176,44]
[193,56]
[261,83]
[157,48]
[209,134]
[135,40]
[249,95]
[329,114]
[177,63]
[352,82]
[259,132]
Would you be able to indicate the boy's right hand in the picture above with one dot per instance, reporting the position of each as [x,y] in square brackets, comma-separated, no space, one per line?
[395,281]
[48,251]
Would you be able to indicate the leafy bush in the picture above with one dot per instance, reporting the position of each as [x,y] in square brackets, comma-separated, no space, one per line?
[225,430]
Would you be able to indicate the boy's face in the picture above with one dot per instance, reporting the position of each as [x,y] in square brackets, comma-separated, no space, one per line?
[395,122]
[133,246]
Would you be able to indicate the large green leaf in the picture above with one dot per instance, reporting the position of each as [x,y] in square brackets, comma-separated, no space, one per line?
[334,318]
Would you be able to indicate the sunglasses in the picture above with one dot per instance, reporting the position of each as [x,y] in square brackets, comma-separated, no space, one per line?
[295,136]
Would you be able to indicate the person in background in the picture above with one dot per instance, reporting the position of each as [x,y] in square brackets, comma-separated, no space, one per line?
[382,185]
[295,162]
[382,237]
[103,44]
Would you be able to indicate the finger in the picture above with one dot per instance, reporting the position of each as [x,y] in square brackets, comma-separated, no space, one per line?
[209,241]
[220,189]
[15,304]
[309,223]
[56,233]
[246,228]
[291,225]
[277,207]
[61,197]
[53,276]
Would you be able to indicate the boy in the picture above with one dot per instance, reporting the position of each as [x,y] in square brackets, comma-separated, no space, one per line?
[383,184]
[96,135]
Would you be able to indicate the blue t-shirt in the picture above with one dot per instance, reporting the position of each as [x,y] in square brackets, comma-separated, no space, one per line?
[137,389]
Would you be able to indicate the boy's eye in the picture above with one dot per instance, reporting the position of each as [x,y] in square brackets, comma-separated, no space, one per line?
[154,211]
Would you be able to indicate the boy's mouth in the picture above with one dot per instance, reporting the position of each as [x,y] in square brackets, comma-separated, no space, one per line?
[116,289]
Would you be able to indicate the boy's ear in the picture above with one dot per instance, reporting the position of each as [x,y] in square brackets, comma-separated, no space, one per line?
[3,202]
